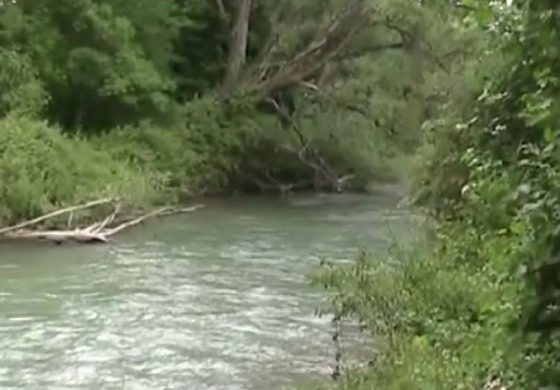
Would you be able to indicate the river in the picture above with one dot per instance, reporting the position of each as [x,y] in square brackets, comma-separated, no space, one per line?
[215,299]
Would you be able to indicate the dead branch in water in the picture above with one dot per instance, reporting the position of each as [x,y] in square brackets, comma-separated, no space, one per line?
[98,232]
[165,211]
[53,214]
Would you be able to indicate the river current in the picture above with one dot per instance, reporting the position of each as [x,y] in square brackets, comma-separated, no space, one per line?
[215,299]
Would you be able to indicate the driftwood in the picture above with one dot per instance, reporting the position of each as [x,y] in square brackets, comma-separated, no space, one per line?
[42,218]
[98,232]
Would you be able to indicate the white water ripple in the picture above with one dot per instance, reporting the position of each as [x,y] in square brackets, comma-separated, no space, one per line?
[216,300]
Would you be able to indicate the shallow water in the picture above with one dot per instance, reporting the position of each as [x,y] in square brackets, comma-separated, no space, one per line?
[216,299]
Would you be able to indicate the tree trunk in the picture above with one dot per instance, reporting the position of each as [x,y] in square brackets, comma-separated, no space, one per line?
[237,46]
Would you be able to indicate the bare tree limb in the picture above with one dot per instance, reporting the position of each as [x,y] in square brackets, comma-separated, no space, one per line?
[136,221]
[109,219]
[262,65]
[98,232]
[159,212]
[315,161]
[54,214]
[58,236]
[265,76]
[343,28]
[221,10]
[309,85]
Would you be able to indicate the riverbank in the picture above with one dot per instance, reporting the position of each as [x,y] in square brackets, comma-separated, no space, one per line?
[119,112]
[43,169]
[475,302]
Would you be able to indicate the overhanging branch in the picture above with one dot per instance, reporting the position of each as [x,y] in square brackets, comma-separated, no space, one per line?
[344,27]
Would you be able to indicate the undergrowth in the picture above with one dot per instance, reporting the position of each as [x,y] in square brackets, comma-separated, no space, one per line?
[41,169]
[475,303]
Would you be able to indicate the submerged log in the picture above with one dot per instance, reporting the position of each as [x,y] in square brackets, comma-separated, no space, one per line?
[98,232]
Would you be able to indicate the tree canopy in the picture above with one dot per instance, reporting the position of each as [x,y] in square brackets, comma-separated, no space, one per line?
[265,95]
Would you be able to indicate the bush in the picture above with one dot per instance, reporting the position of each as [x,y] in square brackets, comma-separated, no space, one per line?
[481,305]
[443,308]
[40,169]
[199,152]
[151,148]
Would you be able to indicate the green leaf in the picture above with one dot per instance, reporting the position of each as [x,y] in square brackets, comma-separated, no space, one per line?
[548,134]
[483,14]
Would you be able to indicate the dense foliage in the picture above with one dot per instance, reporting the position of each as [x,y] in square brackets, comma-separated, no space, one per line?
[154,101]
[475,305]
[192,97]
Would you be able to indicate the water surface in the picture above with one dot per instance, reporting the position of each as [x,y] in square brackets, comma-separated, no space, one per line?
[215,299]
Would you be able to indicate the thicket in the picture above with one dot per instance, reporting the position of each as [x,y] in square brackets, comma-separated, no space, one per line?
[476,304]
[193,97]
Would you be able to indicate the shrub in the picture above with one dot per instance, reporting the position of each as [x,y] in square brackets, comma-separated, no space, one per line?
[481,305]
[40,169]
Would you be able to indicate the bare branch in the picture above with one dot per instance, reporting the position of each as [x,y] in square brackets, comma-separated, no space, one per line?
[343,28]
[58,236]
[221,10]
[307,155]
[95,233]
[162,211]
[263,63]
[109,220]
[54,214]
[309,85]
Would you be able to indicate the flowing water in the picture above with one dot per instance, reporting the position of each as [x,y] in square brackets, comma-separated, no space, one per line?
[215,299]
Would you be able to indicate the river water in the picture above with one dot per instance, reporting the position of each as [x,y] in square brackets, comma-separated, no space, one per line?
[215,299]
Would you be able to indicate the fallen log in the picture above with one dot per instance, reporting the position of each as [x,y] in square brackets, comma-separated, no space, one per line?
[59,236]
[53,214]
[98,232]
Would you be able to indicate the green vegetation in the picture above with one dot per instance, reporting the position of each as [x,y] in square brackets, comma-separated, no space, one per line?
[475,305]
[155,101]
